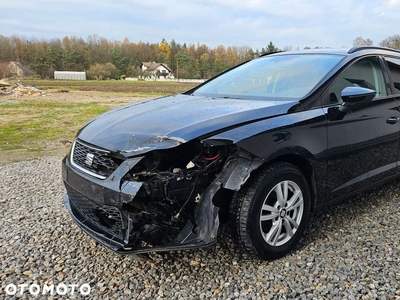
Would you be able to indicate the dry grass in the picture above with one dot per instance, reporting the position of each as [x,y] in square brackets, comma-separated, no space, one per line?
[135,88]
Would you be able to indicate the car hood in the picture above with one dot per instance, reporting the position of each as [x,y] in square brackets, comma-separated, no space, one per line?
[167,122]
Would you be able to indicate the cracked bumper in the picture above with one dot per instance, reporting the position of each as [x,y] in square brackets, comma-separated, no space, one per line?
[86,195]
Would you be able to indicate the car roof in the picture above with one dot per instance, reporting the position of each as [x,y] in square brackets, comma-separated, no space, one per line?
[354,51]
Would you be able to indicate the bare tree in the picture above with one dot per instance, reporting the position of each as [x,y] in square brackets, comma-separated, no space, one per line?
[360,41]
[288,48]
[102,71]
[391,42]
[5,70]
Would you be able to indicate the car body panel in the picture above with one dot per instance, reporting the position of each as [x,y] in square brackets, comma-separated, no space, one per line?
[132,130]
[284,135]
[363,147]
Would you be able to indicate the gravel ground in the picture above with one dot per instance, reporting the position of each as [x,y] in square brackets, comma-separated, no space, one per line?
[350,251]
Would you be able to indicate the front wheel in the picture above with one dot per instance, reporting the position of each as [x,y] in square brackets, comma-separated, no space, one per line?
[271,212]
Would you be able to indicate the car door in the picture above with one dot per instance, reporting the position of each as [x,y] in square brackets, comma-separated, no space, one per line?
[363,140]
[393,67]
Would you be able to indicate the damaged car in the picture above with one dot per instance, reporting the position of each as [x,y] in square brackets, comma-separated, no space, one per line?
[261,146]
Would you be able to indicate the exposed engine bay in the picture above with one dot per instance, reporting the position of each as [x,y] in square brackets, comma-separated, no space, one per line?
[173,182]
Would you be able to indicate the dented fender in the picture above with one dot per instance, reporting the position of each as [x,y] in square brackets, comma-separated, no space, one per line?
[232,177]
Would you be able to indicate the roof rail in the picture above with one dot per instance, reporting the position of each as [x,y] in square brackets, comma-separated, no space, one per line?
[359,48]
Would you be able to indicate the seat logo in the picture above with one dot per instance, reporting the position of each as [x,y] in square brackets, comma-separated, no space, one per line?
[89,159]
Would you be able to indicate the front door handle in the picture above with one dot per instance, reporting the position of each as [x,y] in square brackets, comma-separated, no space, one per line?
[393,120]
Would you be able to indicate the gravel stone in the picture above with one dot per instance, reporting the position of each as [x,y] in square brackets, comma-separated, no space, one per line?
[349,251]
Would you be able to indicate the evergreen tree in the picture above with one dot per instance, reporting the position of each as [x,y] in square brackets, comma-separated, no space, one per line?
[118,60]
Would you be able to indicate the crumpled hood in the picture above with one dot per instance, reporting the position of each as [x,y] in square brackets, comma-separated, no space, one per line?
[167,122]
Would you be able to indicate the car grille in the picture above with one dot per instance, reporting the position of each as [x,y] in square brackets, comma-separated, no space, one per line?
[108,219]
[94,161]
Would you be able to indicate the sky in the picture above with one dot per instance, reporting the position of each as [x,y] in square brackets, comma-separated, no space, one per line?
[253,23]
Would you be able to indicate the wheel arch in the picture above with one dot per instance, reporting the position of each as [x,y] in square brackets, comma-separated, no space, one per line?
[257,165]
[305,167]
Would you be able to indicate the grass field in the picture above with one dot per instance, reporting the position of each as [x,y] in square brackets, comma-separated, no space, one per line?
[33,126]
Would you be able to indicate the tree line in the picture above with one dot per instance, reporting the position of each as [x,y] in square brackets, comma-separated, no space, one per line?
[102,58]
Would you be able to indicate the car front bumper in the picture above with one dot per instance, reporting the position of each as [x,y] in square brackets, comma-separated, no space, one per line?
[87,195]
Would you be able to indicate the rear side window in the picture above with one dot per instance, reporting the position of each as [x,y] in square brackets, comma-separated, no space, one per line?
[394,67]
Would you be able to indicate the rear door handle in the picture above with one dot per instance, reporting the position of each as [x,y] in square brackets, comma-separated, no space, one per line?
[393,120]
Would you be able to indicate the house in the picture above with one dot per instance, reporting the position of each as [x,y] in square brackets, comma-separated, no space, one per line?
[156,69]
[69,75]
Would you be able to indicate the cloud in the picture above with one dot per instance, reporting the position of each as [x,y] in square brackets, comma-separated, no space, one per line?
[228,22]
[295,9]
[393,2]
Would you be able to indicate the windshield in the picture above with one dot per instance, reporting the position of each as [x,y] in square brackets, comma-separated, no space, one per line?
[281,76]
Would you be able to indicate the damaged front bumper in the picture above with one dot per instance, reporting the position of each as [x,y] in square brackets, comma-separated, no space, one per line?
[112,210]
[189,239]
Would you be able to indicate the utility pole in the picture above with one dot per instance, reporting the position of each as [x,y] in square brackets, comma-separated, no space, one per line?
[177,71]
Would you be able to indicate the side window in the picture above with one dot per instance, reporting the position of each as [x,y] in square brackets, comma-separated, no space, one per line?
[394,67]
[365,72]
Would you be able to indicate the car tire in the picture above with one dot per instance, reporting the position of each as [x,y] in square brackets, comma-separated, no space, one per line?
[270,213]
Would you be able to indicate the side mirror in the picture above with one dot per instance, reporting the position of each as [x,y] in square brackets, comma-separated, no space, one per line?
[353,94]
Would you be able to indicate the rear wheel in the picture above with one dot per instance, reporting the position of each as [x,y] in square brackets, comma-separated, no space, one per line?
[271,212]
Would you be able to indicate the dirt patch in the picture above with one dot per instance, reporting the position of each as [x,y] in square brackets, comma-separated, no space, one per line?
[7,101]
[92,96]
[114,86]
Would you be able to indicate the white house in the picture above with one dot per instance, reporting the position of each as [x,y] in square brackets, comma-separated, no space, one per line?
[156,69]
